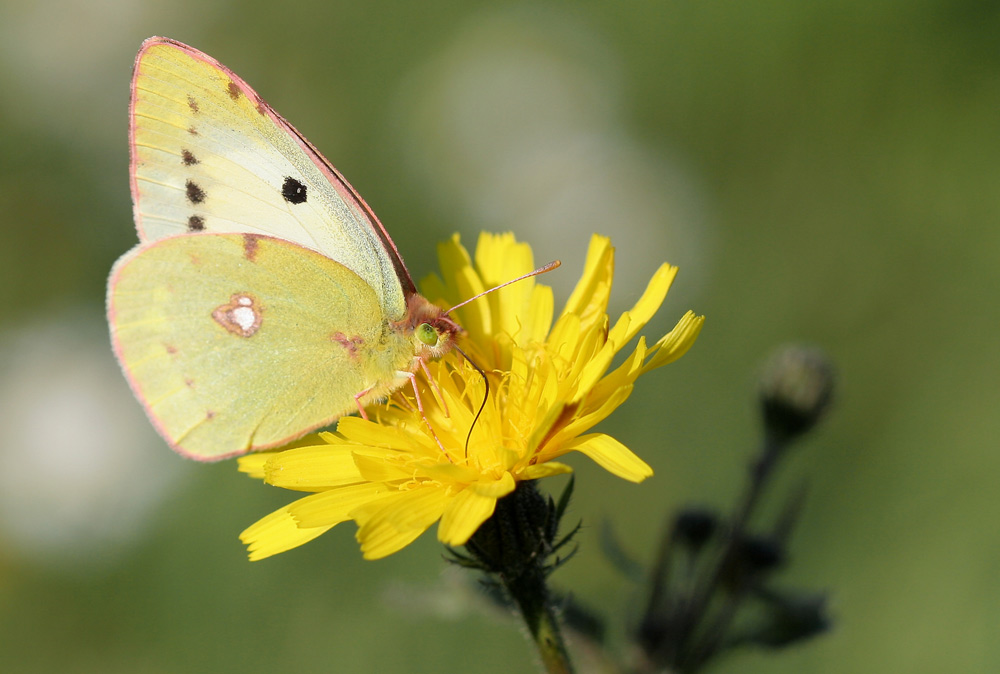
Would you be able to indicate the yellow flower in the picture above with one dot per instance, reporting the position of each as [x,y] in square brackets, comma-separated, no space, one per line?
[398,474]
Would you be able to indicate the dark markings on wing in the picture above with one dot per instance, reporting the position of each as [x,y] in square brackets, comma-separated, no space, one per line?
[250,244]
[350,344]
[195,194]
[293,191]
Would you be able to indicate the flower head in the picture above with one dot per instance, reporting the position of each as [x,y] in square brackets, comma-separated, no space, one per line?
[400,472]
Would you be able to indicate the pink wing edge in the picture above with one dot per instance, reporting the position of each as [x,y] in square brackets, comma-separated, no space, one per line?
[175,445]
[349,194]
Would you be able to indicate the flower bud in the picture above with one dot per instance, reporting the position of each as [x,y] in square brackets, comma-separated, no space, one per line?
[791,618]
[517,536]
[751,560]
[695,526]
[796,387]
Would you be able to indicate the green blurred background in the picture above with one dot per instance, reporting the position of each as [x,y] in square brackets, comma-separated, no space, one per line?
[822,171]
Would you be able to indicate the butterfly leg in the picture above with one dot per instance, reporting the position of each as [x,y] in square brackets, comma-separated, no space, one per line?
[420,406]
[435,387]
[357,400]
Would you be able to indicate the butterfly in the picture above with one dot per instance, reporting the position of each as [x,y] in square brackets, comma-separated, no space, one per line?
[265,299]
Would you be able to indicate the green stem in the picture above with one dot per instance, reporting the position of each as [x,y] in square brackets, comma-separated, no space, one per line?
[531,596]
[513,546]
[760,471]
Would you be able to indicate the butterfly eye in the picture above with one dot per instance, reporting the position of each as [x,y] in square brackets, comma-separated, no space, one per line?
[427,334]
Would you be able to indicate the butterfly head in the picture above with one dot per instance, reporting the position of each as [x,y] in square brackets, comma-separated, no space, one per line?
[434,332]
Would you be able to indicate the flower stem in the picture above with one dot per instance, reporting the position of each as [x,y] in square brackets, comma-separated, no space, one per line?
[514,547]
[760,471]
[530,593]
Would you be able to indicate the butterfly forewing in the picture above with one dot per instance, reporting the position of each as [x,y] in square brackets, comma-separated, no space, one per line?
[208,155]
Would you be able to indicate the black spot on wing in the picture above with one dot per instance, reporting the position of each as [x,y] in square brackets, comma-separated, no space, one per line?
[188,158]
[196,223]
[195,194]
[293,191]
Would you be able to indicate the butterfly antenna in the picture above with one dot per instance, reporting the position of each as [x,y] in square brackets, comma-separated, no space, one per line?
[541,270]
[555,264]
[486,396]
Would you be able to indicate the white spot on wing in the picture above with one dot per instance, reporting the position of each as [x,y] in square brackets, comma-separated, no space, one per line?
[242,316]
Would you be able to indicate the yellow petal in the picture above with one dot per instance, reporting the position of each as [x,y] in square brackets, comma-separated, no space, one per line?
[392,524]
[593,345]
[363,432]
[539,319]
[434,289]
[452,256]
[377,469]
[475,317]
[624,375]
[495,488]
[584,419]
[463,283]
[594,370]
[253,464]
[334,506]
[450,472]
[471,507]
[500,257]
[612,456]
[565,336]
[590,296]
[646,307]
[276,533]
[312,468]
[547,469]
[675,343]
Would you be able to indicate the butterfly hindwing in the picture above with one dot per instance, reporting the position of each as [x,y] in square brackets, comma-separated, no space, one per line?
[209,155]
[239,342]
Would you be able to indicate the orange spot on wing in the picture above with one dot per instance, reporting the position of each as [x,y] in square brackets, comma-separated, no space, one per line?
[250,245]
[351,344]
[234,91]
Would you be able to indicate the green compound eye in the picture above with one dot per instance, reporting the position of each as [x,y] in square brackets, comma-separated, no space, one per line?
[427,334]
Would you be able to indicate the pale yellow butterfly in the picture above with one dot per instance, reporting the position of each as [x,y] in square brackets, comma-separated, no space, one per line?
[265,299]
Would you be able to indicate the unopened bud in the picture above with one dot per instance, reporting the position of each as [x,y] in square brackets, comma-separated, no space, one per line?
[752,559]
[695,526]
[791,618]
[795,390]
